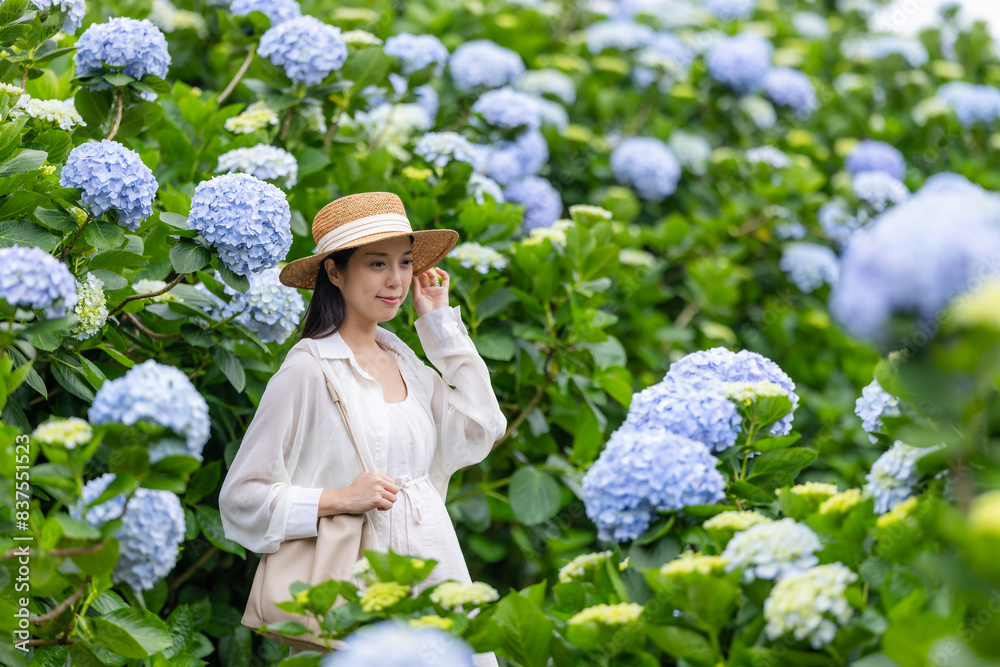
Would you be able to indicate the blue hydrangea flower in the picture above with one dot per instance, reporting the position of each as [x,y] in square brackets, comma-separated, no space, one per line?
[33,279]
[791,88]
[648,165]
[874,403]
[440,148]
[772,550]
[245,219]
[837,221]
[971,103]
[135,47]
[269,308]
[507,108]
[769,155]
[306,47]
[277,11]
[479,186]
[740,62]
[717,365]
[157,394]
[542,202]
[548,82]
[666,59]
[75,10]
[550,112]
[910,260]
[703,414]
[509,161]
[150,535]
[871,155]
[789,230]
[731,10]
[111,177]
[484,63]
[392,642]
[619,35]
[417,52]
[947,180]
[894,476]
[642,471]
[810,265]
[266,162]
[879,190]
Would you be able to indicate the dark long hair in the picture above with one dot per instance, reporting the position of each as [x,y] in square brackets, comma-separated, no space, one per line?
[327,310]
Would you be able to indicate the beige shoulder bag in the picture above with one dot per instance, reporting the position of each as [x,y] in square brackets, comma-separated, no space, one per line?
[332,554]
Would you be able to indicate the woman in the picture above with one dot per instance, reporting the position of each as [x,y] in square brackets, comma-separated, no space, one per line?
[296,462]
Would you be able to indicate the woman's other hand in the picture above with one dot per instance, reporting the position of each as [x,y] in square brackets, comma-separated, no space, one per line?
[428,294]
[370,490]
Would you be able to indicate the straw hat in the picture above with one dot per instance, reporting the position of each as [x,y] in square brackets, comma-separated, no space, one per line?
[355,220]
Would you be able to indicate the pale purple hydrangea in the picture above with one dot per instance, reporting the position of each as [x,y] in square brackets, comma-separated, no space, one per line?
[112,177]
[879,190]
[731,10]
[484,63]
[911,261]
[277,11]
[616,34]
[508,109]
[135,47]
[542,202]
[740,62]
[791,88]
[810,265]
[440,148]
[33,279]
[269,308]
[150,535]
[308,49]
[245,219]
[648,165]
[703,414]
[508,161]
[971,103]
[871,155]
[158,394]
[392,643]
[75,11]
[873,404]
[266,162]
[644,471]
[894,476]
[417,52]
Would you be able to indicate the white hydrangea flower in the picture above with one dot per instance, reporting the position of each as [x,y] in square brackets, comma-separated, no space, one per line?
[578,567]
[772,550]
[637,257]
[452,594]
[59,112]
[91,307]
[810,604]
[361,38]
[841,503]
[10,89]
[481,258]
[746,393]
[556,232]
[169,18]
[735,520]
[769,155]
[689,562]
[257,116]
[693,151]
[68,432]
[608,614]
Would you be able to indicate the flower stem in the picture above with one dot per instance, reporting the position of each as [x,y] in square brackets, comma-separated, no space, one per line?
[166,289]
[239,75]
[118,114]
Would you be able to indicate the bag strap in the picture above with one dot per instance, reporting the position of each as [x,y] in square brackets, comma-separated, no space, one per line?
[335,395]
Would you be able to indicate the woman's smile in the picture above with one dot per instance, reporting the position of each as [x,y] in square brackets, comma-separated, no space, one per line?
[391,302]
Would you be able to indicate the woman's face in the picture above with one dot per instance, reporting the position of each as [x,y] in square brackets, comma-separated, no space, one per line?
[379,269]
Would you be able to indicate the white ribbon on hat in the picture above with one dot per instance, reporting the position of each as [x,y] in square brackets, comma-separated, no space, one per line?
[356,229]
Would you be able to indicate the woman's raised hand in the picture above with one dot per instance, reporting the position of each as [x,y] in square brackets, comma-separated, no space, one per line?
[430,290]
[370,490]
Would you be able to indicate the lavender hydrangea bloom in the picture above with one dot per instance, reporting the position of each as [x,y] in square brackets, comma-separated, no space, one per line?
[508,108]
[642,471]
[269,308]
[717,365]
[136,47]
[810,265]
[33,279]
[245,219]
[510,161]
[157,394]
[542,202]
[394,643]
[703,414]
[946,180]
[971,103]
[484,63]
[306,47]
[75,10]
[873,404]
[417,52]
[791,88]
[111,177]
[266,162]
[871,155]
[893,476]
[150,535]
[911,260]
[618,34]
[730,10]
[741,62]
[648,165]
[879,190]
[837,221]
[277,11]
[440,148]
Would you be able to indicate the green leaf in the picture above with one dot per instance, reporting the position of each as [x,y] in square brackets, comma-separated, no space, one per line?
[131,632]
[367,65]
[118,79]
[187,256]
[785,460]
[57,220]
[76,529]
[112,281]
[239,283]
[104,235]
[26,233]
[230,366]
[211,524]
[101,561]
[525,631]
[311,160]
[203,482]
[115,259]
[534,495]
[682,643]
[587,438]
[176,221]
[750,492]
[73,381]
[26,160]
[771,444]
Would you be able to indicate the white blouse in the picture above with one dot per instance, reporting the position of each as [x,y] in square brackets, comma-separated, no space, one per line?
[296,445]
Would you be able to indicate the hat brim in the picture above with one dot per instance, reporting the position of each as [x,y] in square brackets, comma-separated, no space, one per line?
[430,246]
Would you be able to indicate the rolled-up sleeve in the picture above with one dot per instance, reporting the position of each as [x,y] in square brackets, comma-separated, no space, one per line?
[465,408]
[258,502]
